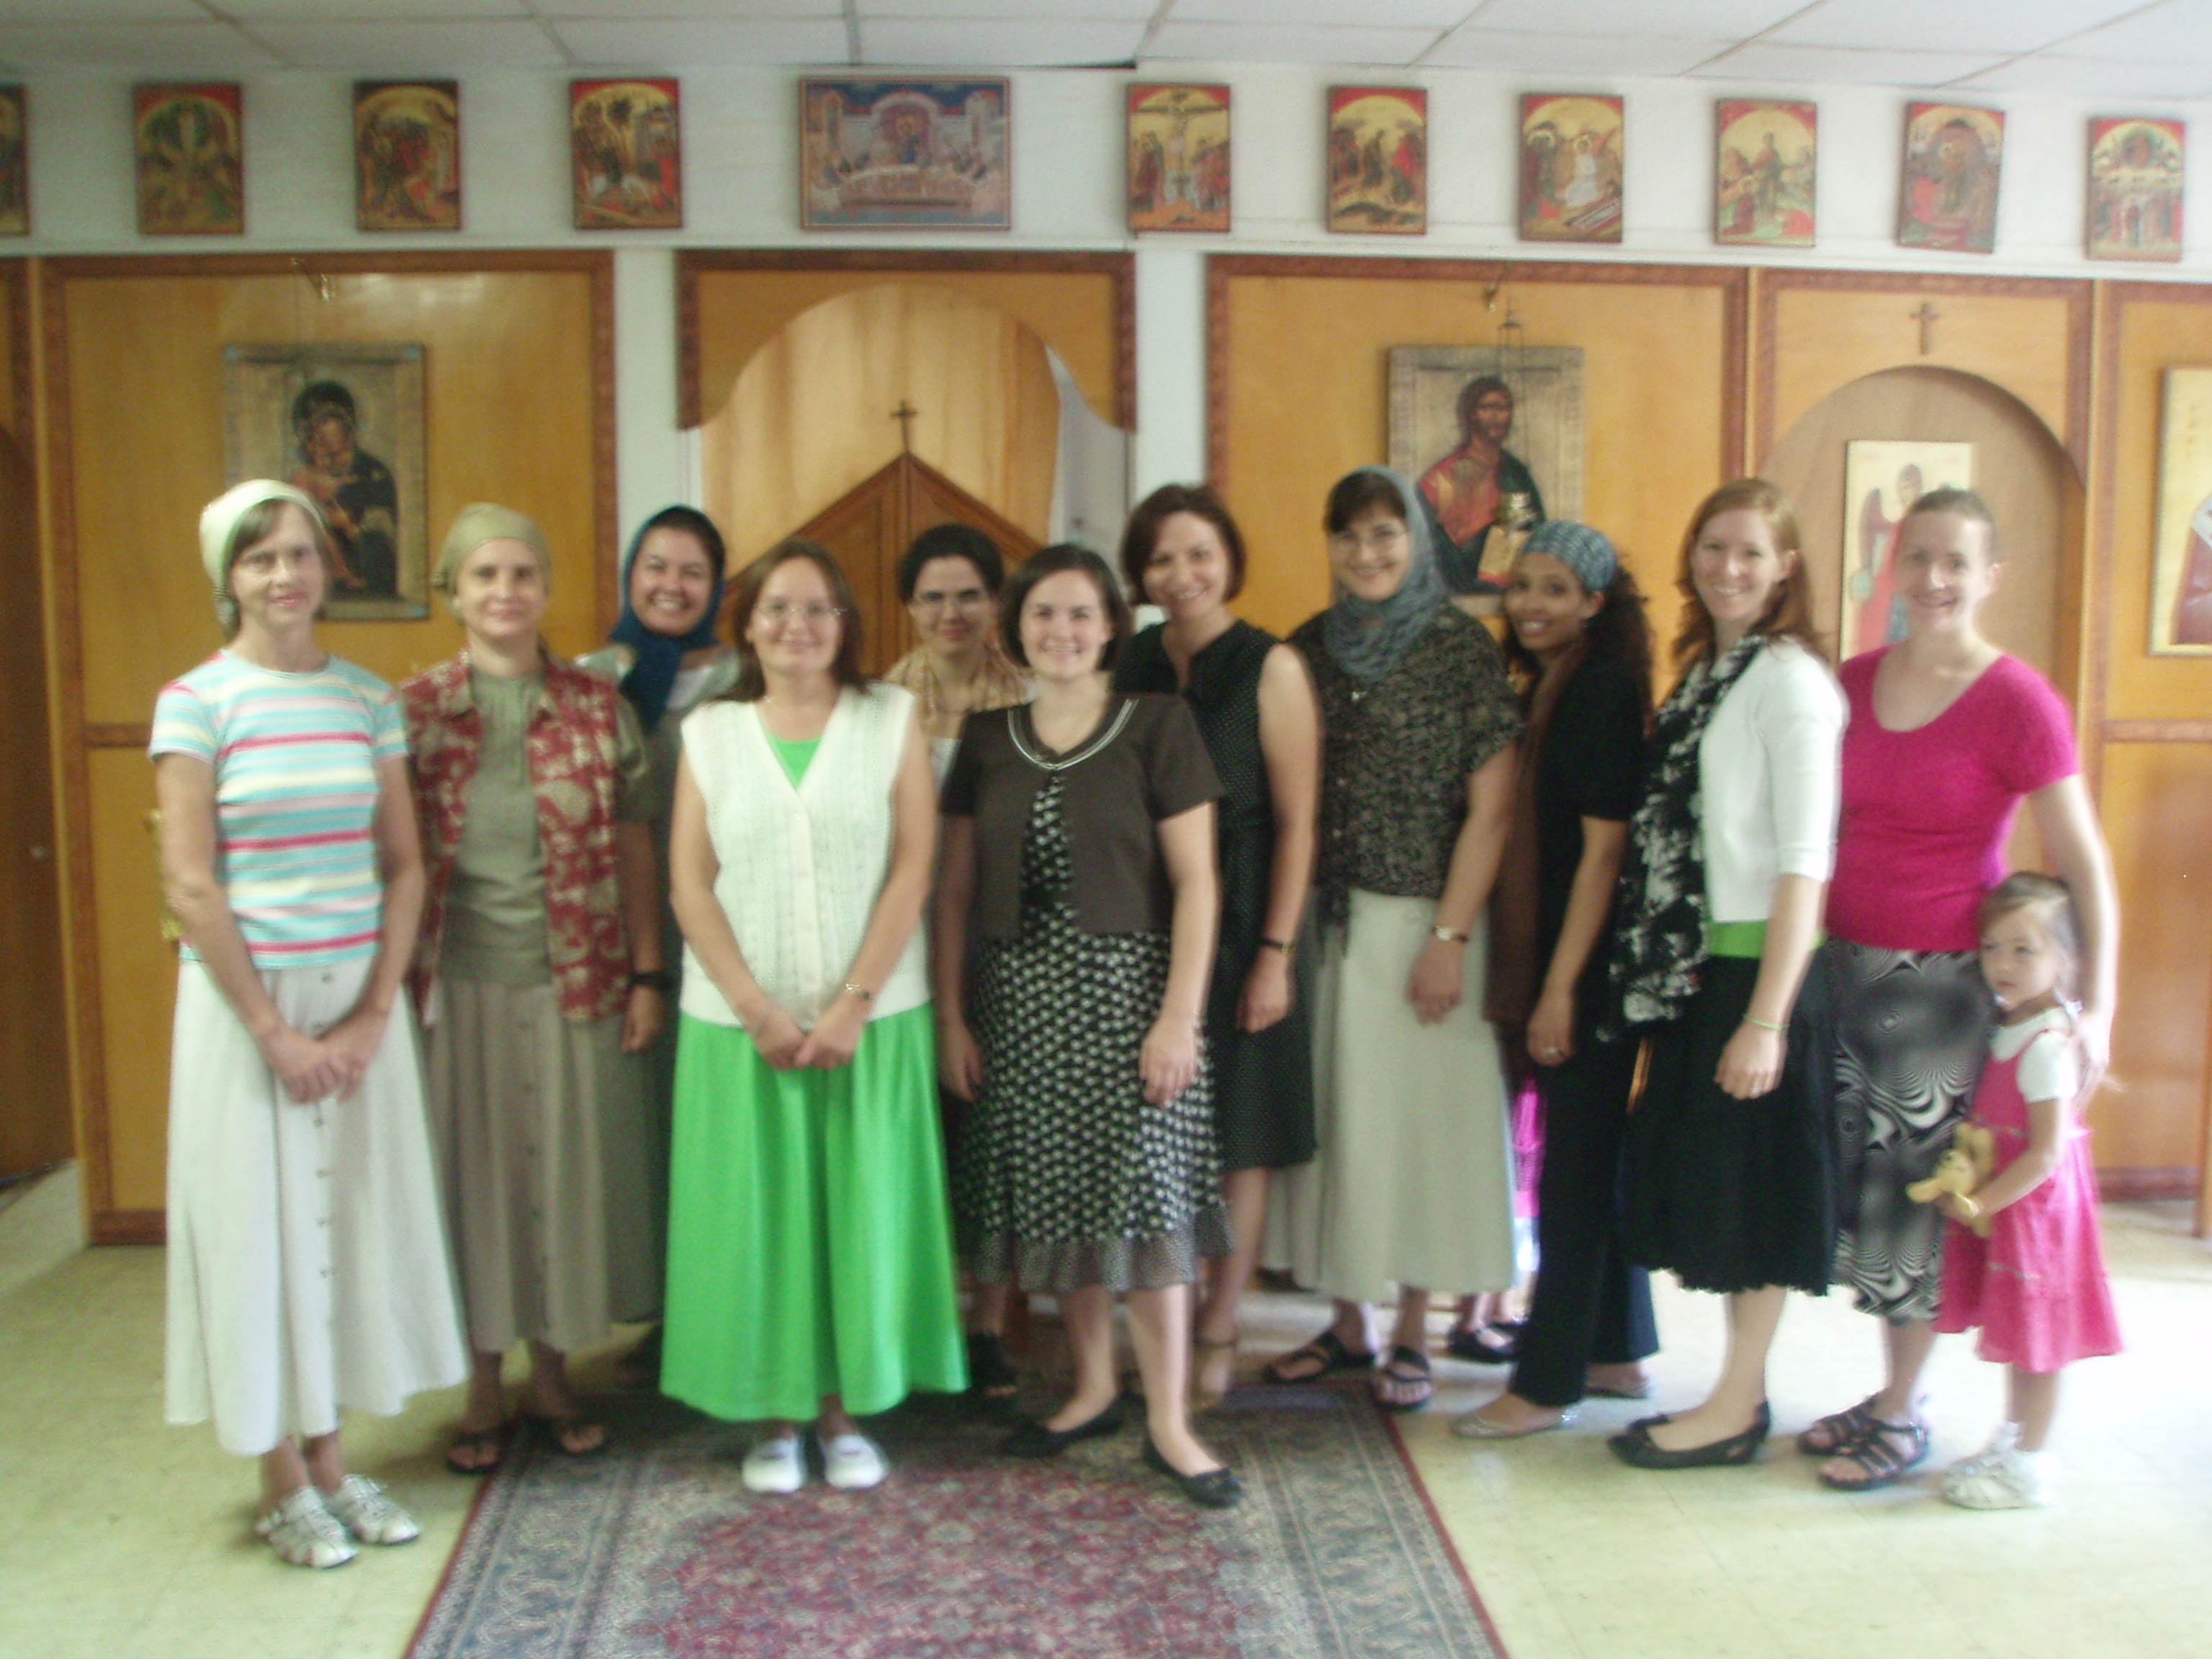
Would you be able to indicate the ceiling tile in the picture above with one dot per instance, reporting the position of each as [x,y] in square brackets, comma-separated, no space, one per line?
[2179,31]
[1093,11]
[410,48]
[169,50]
[2080,77]
[1970,26]
[1396,13]
[1735,19]
[654,43]
[106,11]
[975,43]
[646,12]
[304,12]
[1842,66]
[1242,43]
[1476,47]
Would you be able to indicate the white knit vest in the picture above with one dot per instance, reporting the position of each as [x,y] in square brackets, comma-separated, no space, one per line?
[801,867]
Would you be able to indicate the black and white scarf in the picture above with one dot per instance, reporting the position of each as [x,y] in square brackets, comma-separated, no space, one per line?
[1660,913]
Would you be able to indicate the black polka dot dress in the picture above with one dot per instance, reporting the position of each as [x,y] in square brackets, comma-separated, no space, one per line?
[1068,1177]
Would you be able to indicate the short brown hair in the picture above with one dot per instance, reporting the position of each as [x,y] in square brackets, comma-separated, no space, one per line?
[1142,537]
[752,683]
[1061,558]
[1790,615]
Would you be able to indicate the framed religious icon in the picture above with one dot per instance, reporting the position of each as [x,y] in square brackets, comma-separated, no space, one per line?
[345,424]
[191,158]
[2181,564]
[407,155]
[1492,437]
[881,153]
[1178,157]
[1378,159]
[14,163]
[1948,197]
[1571,167]
[2135,189]
[1882,478]
[626,154]
[1763,178]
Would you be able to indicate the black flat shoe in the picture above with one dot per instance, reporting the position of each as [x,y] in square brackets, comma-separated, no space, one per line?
[1212,1489]
[1032,1439]
[1635,1446]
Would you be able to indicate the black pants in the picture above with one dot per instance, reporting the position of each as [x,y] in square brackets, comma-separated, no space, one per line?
[1590,1306]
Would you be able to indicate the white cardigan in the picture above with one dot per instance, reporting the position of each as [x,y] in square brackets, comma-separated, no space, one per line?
[1769,769]
[801,868]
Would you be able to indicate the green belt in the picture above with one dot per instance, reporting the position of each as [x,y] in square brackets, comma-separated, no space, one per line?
[1743,938]
[1735,939]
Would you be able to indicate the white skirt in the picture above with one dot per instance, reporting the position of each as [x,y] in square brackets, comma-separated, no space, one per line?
[1412,1182]
[307,1265]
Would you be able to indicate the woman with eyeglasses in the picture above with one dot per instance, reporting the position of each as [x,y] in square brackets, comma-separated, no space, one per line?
[809,1261]
[1412,1187]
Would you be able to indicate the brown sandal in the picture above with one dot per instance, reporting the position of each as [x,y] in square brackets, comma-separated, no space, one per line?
[1841,1429]
[1879,1457]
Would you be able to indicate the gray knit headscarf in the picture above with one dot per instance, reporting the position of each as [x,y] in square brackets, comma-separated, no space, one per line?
[1370,637]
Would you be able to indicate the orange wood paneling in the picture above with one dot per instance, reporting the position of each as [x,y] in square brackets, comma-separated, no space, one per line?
[1299,382]
[1083,304]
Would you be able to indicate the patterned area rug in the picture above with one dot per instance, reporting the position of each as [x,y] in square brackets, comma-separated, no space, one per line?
[656,1550]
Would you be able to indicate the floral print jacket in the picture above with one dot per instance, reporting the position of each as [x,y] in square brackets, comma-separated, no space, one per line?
[584,748]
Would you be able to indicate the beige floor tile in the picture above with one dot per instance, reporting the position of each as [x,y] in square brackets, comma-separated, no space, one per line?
[29,1637]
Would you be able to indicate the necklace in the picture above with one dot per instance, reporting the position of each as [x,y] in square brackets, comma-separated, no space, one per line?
[1074,757]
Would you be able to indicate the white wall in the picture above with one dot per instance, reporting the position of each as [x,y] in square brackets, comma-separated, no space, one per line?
[739,142]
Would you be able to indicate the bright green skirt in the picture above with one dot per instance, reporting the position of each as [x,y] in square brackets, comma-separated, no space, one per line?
[809,1249]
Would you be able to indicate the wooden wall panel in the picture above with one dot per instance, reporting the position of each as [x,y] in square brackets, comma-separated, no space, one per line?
[1299,378]
[1083,304]
[2147,330]
[138,978]
[810,417]
[2157,803]
[509,385]
[520,394]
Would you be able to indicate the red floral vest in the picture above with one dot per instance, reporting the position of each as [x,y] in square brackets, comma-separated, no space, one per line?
[574,770]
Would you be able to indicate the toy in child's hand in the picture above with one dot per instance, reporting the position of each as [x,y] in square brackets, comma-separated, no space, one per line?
[1963,1170]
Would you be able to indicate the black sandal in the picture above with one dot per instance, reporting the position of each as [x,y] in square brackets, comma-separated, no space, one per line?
[992,1378]
[1408,1369]
[1876,1455]
[1328,1349]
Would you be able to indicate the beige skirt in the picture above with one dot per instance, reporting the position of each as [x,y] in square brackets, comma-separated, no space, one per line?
[535,1185]
[1412,1184]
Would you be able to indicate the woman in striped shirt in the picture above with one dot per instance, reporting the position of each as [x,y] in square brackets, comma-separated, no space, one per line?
[307,1258]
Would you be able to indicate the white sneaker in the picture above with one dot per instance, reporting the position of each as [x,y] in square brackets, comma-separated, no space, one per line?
[363,1510]
[776,1466]
[853,1462]
[2006,1437]
[2007,1480]
[303,1532]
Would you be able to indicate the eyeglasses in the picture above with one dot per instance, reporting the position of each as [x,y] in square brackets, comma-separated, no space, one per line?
[776,612]
[972,598]
[1381,539]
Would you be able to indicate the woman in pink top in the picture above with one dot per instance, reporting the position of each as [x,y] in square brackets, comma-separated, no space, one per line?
[1946,737]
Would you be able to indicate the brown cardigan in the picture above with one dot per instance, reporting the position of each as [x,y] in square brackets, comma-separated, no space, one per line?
[1148,763]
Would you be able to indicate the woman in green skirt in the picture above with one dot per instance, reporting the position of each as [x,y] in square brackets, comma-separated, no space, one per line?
[809,1261]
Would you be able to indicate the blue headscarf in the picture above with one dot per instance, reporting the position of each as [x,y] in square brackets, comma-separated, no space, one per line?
[659,656]
[1370,637]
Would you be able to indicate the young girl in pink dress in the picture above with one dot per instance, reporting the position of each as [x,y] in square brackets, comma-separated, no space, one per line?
[2035,1285]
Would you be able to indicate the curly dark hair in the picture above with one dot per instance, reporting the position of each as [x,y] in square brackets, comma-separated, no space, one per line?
[1620,633]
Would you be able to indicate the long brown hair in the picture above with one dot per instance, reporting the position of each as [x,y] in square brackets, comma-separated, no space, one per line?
[1790,615]
[752,683]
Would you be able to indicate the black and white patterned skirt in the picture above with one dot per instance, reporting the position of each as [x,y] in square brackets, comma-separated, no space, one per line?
[1913,1030]
[1067,1177]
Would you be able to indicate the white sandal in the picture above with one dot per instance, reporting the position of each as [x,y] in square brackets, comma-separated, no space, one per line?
[776,1468]
[304,1532]
[853,1462]
[362,1510]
